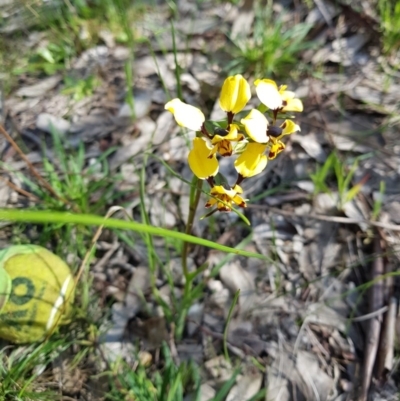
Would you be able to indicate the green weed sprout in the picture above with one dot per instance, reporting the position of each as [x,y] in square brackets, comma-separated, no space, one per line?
[346,191]
[80,88]
[272,48]
[390,24]
[377,207]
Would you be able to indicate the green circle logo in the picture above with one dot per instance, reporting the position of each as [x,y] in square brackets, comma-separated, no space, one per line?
[27,293]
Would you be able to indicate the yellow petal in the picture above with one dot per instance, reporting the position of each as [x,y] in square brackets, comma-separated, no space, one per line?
[268,93]
[275,149]
[218,190]
[199,161]
[238,189]
[239,201]
[223,142]
[219,193]
[225,197]
[233,133]
[223,207]
[252,161]
[235,94]
[256,125]
[237,198]
[293,105]
[225,148]
[287,95]
[211,202]
[185,114]
[217,138]
[213,151]
[288,127]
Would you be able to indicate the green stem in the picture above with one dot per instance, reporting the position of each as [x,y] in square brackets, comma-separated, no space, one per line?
[228,320]
[194,202]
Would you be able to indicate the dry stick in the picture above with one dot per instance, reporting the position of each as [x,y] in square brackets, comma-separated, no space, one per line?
[374,327]
[385,350]
[20,190]
[391,329]
[385,346]
[33,170]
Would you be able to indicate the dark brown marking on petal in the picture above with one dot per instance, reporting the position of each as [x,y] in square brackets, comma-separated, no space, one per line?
[207,205]
[225,148]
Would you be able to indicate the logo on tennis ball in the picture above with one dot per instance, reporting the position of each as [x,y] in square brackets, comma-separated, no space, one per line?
[39,294]
[28,290]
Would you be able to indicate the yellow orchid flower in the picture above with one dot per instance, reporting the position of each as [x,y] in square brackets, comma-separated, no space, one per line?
[277,98]
[275,149]
[287,127]
[185,114]
[252,161]
[223,143]
[200,163]
[225,198]
[256,125]
[235,94]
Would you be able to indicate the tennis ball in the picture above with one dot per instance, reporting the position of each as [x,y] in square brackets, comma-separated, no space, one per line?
[5,288]
[40,295]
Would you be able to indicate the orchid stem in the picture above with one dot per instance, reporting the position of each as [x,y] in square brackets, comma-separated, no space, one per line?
[194,202]
[195,193]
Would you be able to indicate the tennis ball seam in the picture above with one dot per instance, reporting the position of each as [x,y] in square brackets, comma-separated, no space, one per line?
[59,302]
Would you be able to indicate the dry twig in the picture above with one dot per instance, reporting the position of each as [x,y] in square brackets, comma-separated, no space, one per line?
[374,327]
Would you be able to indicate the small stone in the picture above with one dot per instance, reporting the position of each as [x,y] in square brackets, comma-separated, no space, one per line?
[326,203]
[141,105]
[47,123]
[195,315]
[306,185]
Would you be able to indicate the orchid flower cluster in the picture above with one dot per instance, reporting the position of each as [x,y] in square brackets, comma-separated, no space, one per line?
[254,139]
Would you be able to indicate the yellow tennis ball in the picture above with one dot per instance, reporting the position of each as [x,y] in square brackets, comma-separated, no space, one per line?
[5,287]
[41,293]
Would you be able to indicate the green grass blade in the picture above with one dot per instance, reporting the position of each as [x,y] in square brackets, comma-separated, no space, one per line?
[34,216]
[227,386]
[228,320]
